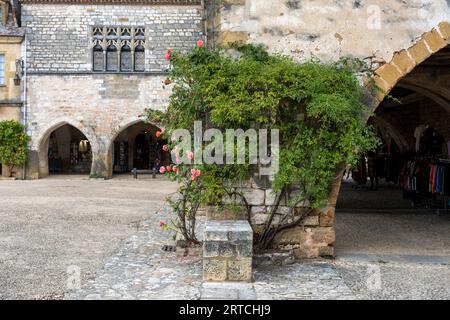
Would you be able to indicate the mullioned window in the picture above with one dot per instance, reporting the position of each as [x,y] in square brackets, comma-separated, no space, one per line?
[118,49]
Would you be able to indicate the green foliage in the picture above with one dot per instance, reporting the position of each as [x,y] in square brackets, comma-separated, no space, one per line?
[13,144]
[316,106]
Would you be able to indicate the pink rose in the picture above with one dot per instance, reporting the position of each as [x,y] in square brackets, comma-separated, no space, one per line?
[165,147]
[174,169]
[158,134]
[200,43]
[162,170]
[190,155]
[163,130]
[168,169]
[168,54]
[178,159]
[195,173]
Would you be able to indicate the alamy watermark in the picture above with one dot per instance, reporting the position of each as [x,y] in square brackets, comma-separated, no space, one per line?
[233,146]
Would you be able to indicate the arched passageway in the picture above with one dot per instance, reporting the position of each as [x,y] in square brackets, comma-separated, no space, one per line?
[64,149]
[396,200]
[136,146]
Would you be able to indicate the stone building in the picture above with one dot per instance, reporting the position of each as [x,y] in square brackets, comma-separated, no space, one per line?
[406,42]
[92,68]
[11,37]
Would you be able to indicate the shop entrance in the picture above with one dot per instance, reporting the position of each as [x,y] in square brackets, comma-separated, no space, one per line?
[137,147]
[397,199]
[69,151]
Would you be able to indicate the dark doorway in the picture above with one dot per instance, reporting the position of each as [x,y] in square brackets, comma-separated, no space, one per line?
[138,147]
[142,152]
[69,151]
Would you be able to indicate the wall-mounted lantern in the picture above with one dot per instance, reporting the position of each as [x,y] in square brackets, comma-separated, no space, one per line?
[19,72]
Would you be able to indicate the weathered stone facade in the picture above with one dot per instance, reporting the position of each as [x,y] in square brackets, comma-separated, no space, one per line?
[325,29]
[63,89]
[395,36]
[59,36]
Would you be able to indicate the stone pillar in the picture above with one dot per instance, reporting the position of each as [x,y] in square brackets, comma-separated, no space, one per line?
[227,251]
[101,159]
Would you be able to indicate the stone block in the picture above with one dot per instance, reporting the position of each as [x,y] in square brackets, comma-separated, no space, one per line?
[311,221]
[214,269]
[226,249]
[444,28]
[419,52]
[240,270]
[227,245]
[284,210]
[327,217]
[258,210]
[244,249]
[383,87]
[306,252]
[295,235]
[403,61]
[211,249]
[270,198]
[259,218]
[324,235]
[434,40]
[389,73]
[254,197]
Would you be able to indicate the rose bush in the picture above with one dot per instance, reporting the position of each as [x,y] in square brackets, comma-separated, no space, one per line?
[316,106]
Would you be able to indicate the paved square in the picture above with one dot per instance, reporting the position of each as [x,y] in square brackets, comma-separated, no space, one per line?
[110,231]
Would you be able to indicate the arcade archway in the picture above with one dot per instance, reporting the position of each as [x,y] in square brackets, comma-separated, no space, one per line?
[136,146]
[396,200]
[64,149]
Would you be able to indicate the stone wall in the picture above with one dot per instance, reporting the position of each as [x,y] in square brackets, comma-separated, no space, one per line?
[59,36]
[100,106]
[313,237]
[404,33]
[326,29]
[63,89]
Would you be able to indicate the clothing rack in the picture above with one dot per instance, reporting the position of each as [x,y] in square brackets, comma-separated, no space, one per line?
[426,180]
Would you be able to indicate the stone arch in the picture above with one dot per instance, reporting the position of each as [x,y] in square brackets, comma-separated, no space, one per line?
[39,167]
[403,62]
[116,131]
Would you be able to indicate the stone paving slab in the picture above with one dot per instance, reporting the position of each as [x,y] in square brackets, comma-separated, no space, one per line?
[141,270]
[311,280]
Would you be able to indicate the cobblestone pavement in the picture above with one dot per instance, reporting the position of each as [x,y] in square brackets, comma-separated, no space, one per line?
[109,230]
[141,270]
[396,277]
[387,250]
[49,225]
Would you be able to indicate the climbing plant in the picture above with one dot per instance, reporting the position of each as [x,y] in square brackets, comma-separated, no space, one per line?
[317,107]
[13,144]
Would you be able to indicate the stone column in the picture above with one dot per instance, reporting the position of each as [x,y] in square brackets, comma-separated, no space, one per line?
[101,158]
[227,249]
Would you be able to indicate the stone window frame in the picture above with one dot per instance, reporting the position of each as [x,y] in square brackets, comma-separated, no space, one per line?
[118,37]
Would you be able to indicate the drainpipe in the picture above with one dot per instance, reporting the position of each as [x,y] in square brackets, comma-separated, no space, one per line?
[24,101]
